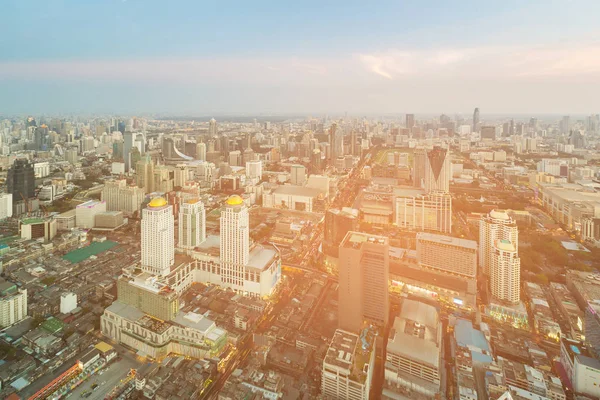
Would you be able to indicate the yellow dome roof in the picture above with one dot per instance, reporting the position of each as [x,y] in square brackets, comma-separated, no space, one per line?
[235,200]
[157,202]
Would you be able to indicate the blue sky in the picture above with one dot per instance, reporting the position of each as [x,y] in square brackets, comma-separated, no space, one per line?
[311,56]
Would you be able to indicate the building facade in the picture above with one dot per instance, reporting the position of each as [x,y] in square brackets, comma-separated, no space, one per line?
[192,224]
[158,241]
[497,225]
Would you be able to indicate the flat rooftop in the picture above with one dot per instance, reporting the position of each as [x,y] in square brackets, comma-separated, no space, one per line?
[356,239]
[449,240]
[415,333]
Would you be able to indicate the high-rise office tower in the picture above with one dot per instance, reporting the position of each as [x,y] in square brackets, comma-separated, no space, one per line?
[332,135]
[41,137]
[353,144]
[497,225]
[192,224]
[476,120]
[144,171]
[235,240]
[20,180]
[565,124]
[254,169]
[505,272]
[158,239]
[437,170]
[128,143]
[212,128]
[410,121]
[298,175]
[488,133]
[419,162]
[363,281]
[201,151]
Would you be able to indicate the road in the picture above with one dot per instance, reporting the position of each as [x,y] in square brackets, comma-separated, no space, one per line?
[110,377]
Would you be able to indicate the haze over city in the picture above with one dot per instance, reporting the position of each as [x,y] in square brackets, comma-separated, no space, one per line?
[329,200]
[309,57]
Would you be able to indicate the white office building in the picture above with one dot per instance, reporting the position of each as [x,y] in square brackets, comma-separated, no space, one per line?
[235,240]
[201,151]
[68,302]
[158,247]
[254,169]
[497,225]
[85,213]
[13,304]
[192,227]
[298,175]
[6,205]
[348,366]
[505,272]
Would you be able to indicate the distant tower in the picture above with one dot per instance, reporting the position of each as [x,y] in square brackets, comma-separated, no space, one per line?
[144,172]
[192,224]
[437,171]
[497,225]
[201,151]
[235,241]
[128,143]
[410,121]
[332,140]
[158,239]
[476,120]
[212,128]
[419,164]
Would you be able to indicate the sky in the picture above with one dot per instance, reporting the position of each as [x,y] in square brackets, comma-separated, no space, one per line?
[294,57]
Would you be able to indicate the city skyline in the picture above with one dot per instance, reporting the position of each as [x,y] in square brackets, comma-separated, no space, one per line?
[277,58]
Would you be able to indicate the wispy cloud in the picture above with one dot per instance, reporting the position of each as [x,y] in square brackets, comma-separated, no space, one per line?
[558,61]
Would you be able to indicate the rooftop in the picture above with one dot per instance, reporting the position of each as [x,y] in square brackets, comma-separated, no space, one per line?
[157,202]
[235,200]
[415,333]
[449,240]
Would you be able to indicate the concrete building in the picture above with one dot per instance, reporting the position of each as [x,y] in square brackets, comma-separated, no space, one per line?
[413,360]
[192,224]
[20,180]
[235,240]
[68,302]
[109,220]
[298,175]
[254,169]
[158,247]
[85,213]
[447,254]
[419,163]
[592,327]
[41,169]
[38,228]
[582,370]
[437,171]
[348,366]
[430,212]
[497,225]
[121,197]
[6,205]
[363,281]
[337,224]
[294,198]
[144,172]
[201,151]
[13,304]
[505,272]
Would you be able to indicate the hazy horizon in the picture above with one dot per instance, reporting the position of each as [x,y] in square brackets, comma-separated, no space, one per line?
[134,57]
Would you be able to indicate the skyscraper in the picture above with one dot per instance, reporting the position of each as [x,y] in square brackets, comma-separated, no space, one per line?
[476,120]
[363,281]
[128,143]
[332,136]
[410,121]
[212,128]
[192,224]
[144,171]
[235,241]
[437,171]
[201,151]
[497,225]
[20,180]
[505,272]
[488,133]
[418,173]
[158,240]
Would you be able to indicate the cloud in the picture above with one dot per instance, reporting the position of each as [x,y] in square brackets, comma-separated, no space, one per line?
[579,60]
